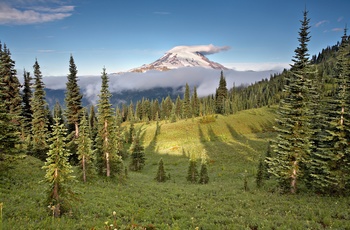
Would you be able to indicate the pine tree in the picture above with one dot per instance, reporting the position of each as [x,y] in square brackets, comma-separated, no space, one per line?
[58,112]
[84,150]
[39,121]
[106,145]
[58,170]
[161,175]
[221,95]
[330,169]
[186,104]
[73,100]
[11,100]
[137,154]
[195,102]
[27,94]
[292,146]
[203,174]
[192,173]
[9,135]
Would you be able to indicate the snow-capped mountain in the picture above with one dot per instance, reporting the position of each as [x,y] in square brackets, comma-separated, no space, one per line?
[183,56]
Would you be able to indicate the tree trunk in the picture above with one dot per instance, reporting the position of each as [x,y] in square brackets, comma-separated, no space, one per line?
[55,188]
[76,129]
[108,170]
[293,182]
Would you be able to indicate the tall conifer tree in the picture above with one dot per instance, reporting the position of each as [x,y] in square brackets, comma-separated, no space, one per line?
[73,99]
[292,146]
[58,170]
[106,138]
[186,104]
[39,121]
[221,95]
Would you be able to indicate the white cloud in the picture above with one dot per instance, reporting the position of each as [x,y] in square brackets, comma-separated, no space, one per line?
[204,49]
[320,23]
[265,66]
[206,80]
[33,15]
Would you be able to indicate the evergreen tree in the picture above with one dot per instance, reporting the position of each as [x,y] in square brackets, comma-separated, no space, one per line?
[93,123]
[195,102]
[9,135]
[203,174]
[58,112]
[221,95]
[292,145]
[58,170]
[11,98]
[84,150]
[27,94]
[137,154]
[39,121]
[192,173]
[161,175]
[73,100]
[186,104]
[330,162]
[106,145]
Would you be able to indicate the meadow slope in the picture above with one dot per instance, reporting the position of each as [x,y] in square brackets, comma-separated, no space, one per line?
[233,146]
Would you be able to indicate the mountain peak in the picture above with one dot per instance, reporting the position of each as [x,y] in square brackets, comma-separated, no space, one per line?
[185,56]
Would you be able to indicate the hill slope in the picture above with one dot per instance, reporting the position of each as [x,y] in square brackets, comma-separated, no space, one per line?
[233,144]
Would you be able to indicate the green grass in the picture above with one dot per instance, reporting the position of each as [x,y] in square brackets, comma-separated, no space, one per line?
[233,145]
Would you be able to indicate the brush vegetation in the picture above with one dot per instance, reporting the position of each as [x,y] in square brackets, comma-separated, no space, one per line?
[233,146]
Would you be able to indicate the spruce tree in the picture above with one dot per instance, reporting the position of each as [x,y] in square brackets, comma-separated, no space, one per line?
[292,146]
[11,99]
[161,175]
[195,102]
[27,113]
[39,122]
[221,95]
[84,149]
[73,100]
[192,173]
[203,174]
[109,161]
[186,104]
[330,169]
[137,154]
[58,171]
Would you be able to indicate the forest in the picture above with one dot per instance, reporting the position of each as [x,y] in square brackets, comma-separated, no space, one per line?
[288,135]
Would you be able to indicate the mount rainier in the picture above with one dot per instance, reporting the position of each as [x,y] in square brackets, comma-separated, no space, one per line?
[184,56]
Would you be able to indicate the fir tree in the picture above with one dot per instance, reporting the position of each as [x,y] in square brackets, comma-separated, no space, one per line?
[84,150]
[195,102]
[108,159]
[137,154]
[221,95]
[192,173]
[27,94]
[186,104]
[58,170]
[11,98]
[39,121]
[292,145]
[161,175]
[73,99]
[330,169]
[203,174]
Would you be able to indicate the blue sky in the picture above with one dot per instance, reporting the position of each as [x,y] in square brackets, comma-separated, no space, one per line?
[123,34]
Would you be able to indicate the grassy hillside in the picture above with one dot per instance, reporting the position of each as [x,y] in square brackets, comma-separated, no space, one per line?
[233,145]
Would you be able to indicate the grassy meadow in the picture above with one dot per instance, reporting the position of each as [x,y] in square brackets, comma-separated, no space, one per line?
[233,146]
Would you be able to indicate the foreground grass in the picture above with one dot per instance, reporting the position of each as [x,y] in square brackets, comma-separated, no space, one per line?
[233,145]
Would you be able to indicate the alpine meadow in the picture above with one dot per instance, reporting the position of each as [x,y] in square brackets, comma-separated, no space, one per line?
[274,154]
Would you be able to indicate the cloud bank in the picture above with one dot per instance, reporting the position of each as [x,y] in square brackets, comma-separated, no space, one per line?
[33,15]
[203,49]
[206,80]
